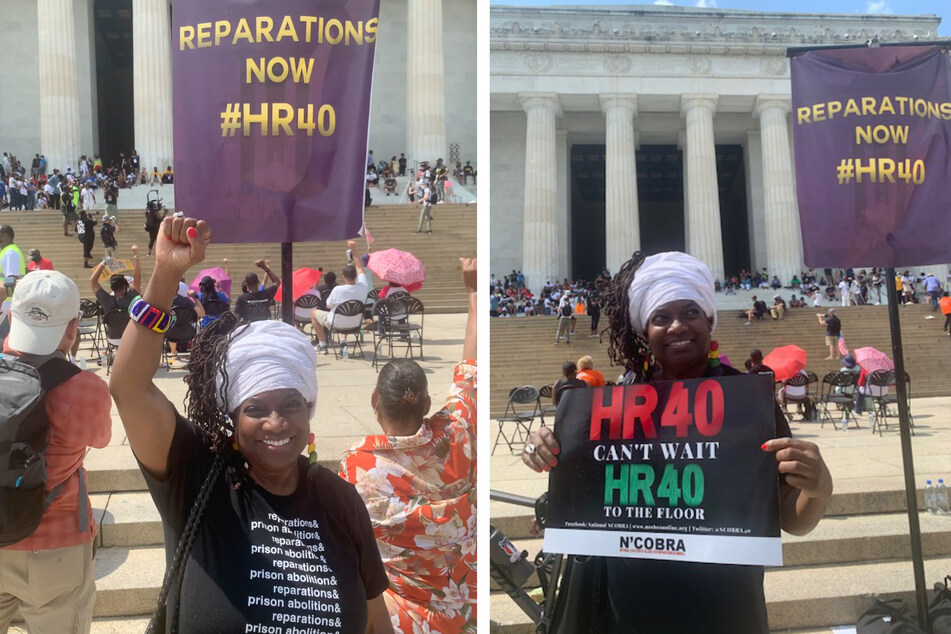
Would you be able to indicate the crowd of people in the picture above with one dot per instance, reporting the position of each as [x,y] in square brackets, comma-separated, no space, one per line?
[428,185]
[43,188]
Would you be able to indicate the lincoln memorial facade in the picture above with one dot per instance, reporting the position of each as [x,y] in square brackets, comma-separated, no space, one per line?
[621,128]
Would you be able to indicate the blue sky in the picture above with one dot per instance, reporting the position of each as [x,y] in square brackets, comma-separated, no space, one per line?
[941,8]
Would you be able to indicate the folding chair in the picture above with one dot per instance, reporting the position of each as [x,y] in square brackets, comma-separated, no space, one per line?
[392,314]
[214,309]
[838,388]
[521,410]
[115,321]
[414,311]
[347,319]
[546,408]
[881,389]
[305,303]
[90,324]
[803,401]
[182,333]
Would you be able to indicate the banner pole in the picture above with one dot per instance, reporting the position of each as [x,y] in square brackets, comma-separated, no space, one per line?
[287,283]
[904,426]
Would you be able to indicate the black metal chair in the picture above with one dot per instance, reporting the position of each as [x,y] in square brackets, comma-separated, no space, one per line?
[115,321]
[805,401]
[90,325]
[881,388]
[308,303]
[546,407]
[372,298]
[838,389]
[392,314]
[520,411]
[182,333]
[346,319]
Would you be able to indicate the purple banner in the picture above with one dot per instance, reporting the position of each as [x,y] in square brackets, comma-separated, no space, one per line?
[271,109]
[872,133]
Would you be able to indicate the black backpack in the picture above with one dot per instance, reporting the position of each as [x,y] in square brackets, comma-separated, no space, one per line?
[24,439]
[566,309]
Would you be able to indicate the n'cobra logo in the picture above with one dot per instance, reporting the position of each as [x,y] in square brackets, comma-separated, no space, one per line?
[36,314]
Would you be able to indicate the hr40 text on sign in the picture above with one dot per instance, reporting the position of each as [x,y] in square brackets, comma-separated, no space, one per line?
[271,108]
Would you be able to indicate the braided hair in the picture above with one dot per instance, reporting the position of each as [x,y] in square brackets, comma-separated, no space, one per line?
[627,348]
[206,362]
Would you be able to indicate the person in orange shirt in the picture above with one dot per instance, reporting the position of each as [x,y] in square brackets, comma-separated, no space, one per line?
[945,304]
[588,374]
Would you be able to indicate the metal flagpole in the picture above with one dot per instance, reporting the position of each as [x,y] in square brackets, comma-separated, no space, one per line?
[287,283]
[904,426]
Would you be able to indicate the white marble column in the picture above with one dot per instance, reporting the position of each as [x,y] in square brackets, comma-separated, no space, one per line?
[152,75]
[425,94]
[540,232]
[59,91]
[783,238]
[704,240]
[622,228]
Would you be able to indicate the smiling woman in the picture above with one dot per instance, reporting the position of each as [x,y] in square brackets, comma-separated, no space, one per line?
[249,524]
[662,313]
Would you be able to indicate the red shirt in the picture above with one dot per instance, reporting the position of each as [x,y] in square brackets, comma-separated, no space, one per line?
[80,417]
[42,265]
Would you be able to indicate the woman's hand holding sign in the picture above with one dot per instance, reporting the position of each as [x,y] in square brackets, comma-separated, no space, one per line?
[808,484]
[540,450]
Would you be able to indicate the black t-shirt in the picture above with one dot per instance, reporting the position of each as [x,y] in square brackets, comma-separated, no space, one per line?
[302,562]
[833,326]
[255,305]
[759,307]
[108,235]
[85,230]
[110,196]
[645,596]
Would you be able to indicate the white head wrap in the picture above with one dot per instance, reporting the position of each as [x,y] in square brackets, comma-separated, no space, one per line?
[669,277]
[269,355]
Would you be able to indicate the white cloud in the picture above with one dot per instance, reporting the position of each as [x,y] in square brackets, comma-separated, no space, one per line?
[706,4]
[666,3]
[877,6]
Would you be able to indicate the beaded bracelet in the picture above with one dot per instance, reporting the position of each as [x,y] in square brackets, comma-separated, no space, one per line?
[151,317]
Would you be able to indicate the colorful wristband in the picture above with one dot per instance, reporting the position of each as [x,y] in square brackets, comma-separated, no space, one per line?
[151,317]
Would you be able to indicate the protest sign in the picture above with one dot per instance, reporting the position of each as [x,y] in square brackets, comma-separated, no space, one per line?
[271,107]
[667,470]
[871,129]
[115,266]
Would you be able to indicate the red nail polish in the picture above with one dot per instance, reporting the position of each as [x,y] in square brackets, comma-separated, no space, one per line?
[556,451]
[553,462]
[192,232]
[763,446]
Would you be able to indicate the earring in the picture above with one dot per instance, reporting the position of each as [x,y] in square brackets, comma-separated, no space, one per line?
[311,449]
[714,354]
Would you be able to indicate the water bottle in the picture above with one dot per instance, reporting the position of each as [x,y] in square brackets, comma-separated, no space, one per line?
[941,498]
[344,352]
[929,497]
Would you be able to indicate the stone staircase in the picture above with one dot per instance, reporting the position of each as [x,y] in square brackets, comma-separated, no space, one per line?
[522,349]
[393,226]
[861,549]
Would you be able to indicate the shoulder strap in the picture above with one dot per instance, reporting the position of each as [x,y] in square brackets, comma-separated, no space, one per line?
[54,372]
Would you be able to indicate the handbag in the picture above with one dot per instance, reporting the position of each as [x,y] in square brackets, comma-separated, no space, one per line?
[579,596]
[887,617]
[173,574]
[939,607]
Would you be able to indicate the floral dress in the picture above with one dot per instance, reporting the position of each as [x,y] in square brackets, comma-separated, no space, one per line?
[420,491]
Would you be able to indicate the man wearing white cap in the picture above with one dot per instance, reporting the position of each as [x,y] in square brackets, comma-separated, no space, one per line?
[49,576]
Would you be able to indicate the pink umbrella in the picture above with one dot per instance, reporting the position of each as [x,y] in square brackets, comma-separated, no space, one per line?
[303,279]
[397,266]
[872,360]
[217,273]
